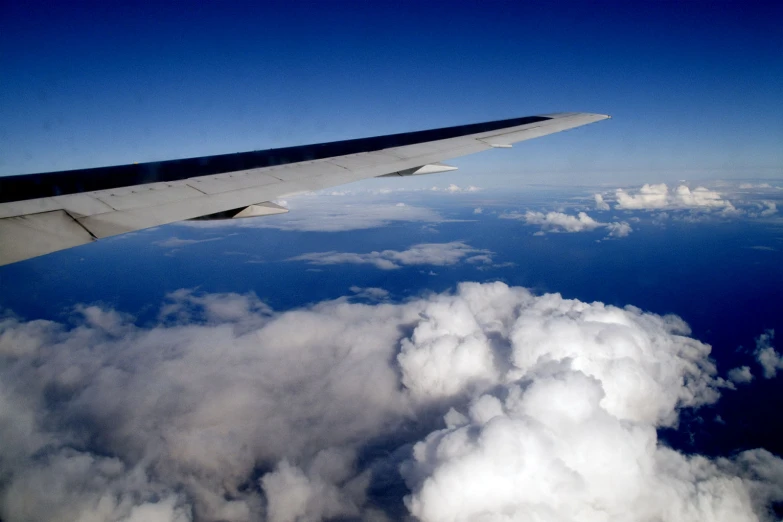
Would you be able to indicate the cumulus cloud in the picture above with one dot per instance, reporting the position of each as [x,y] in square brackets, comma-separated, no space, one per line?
[370,292]
[438,254]
[654,197]
[771,208]
[770,360]
[740,375]
[454,189]
[557,221]
[175,242]
[486,403]
[560,222]
[619,229]
[600,204]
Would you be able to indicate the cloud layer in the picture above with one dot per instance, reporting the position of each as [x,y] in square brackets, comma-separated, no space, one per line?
[488,403]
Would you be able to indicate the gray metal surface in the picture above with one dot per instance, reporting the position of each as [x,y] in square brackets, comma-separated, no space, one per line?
[37,226]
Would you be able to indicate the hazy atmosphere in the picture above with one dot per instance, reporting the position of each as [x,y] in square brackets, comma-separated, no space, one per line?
[586,326]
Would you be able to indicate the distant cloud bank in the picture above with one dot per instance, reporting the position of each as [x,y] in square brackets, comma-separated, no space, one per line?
[751,200]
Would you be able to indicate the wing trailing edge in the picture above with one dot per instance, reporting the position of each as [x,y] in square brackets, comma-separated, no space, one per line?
[46,212]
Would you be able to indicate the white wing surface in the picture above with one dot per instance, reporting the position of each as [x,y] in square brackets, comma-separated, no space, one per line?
[43,213]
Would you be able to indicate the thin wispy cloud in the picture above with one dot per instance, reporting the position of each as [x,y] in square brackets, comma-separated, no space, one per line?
[456,189]
[372,293]
[318,214]
[437,254]
[600,204]
[448,189]
[175,242]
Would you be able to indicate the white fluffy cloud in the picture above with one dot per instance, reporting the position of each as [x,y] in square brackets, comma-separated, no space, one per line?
[654,197]
[740,375]
[770,360]
[454,189]
[517,407]
[438,254]
[600,204]
[371,293]
[619,229]
[560,222]
[771,208]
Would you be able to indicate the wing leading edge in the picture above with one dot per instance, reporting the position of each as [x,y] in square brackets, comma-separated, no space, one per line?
[46,212]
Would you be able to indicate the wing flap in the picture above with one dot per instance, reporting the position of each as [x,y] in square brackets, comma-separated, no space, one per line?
[33,235]
[233,181]
[148,196]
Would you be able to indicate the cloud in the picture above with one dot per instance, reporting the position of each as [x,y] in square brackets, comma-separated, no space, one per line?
[619,229]
[557,221]
[438,254]
[316,494]
[175,242]
[491,402]
[746,186]
[455,189]
[740,375]
[654,197]
[349,217]
[771,209]
[770,360]
[449,189]
[560,222]
[318,214]
[478,210]
[371,293]
[600,204]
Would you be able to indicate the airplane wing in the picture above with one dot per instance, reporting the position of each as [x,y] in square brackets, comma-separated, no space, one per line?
[43,213]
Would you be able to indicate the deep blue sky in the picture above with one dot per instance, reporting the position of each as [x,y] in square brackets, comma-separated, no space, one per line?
[694,87]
